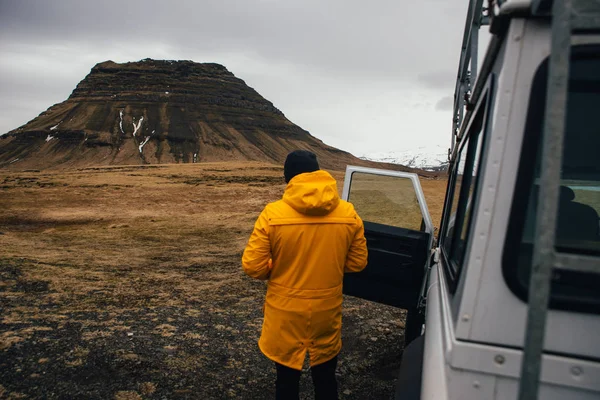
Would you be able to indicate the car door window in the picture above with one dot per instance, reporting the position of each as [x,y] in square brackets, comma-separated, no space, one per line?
[467,191]
[577,228]
[462,189]
[399,235]
[456,181]
[387,200]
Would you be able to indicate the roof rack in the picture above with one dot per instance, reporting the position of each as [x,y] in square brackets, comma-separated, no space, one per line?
[569,17]
[477,16]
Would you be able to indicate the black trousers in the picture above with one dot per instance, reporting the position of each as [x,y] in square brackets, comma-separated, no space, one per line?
[287,386]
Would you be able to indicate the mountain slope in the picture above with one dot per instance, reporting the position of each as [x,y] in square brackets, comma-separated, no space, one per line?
[160,112]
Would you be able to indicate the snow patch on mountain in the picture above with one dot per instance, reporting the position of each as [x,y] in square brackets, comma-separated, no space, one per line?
[141,146]
[430,158]
[137,127]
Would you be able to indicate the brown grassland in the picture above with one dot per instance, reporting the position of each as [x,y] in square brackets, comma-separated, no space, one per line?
[125,283]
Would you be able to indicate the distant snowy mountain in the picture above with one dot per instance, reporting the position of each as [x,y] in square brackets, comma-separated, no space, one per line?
[430,158]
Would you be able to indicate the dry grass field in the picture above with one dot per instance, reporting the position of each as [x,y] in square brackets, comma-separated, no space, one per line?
[125,283]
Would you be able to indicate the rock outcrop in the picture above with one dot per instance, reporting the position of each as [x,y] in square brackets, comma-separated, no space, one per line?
[160,112]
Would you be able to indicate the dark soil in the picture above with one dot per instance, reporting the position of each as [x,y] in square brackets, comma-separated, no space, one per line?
[102,346]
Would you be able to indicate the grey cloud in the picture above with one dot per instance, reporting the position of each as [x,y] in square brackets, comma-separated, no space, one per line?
[441,79]
[445,104]
[353,37]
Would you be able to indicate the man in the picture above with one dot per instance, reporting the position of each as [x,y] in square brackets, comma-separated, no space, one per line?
[303,244]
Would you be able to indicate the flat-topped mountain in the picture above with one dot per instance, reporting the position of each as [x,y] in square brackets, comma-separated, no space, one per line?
[154,111]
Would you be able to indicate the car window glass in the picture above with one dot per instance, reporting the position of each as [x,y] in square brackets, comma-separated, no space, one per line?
[469,183]
[462,191]
[577,229]
[578,225]
[388,200]
[457,178]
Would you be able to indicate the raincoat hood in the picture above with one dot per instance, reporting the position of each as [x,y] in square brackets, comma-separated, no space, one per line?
[312,193]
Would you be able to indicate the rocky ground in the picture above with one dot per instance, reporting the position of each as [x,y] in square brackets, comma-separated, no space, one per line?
[129,347]
[126,283]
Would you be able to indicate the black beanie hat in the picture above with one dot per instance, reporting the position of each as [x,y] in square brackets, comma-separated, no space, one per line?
[299,162]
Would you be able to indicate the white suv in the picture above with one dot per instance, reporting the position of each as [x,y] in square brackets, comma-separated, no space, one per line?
[505,303]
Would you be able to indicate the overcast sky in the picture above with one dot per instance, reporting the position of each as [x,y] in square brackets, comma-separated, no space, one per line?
[363,76]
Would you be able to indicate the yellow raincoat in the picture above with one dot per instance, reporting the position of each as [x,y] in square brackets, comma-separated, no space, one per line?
[302,245]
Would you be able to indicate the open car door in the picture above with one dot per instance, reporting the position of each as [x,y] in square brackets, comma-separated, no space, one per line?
[399,235]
